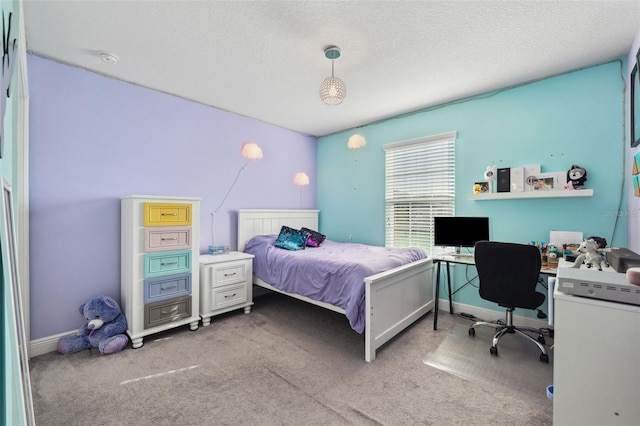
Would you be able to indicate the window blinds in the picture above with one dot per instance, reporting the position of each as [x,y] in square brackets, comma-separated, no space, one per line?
[419,184]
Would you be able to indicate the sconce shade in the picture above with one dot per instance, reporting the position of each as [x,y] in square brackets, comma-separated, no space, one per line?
[251,150]
[356,142]
[301,179]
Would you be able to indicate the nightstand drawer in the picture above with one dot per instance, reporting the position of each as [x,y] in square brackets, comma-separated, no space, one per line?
[162,239]
[228,273]
[165,263]
[166,311]
[167,214]
[166,287]
[229,295]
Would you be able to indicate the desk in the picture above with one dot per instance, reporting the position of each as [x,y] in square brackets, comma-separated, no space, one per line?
[460,259]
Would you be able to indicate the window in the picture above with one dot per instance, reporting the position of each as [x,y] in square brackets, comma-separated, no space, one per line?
[419,184]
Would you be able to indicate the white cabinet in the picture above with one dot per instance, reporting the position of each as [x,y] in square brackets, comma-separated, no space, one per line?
[596,367]
[159,286]
[226,284]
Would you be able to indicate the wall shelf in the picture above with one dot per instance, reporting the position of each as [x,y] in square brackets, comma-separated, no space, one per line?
[532,194]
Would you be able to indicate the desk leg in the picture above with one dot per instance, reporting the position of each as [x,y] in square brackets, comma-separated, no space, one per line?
[435,309]
[449,287]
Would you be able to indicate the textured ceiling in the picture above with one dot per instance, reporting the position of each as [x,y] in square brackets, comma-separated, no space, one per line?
[265,59]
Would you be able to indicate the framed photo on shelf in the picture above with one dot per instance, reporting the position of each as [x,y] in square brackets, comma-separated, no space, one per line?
[480,187]
[550,181]
[545,183]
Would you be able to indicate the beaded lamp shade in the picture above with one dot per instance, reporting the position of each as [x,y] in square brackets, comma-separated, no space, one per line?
[332,89]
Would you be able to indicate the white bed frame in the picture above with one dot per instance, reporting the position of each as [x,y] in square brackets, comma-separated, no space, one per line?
[395,299]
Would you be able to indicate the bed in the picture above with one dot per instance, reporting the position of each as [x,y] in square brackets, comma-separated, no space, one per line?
[394,299]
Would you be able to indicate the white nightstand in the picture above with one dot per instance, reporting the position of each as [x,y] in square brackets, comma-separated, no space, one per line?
[226,283]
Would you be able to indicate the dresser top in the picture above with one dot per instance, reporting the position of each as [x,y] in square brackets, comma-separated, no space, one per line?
[160,197]
[227,257]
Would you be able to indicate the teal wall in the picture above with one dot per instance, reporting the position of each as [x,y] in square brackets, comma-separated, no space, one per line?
[11,399]
[574,118]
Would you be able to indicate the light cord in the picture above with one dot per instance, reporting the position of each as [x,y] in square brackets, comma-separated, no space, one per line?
[213,214]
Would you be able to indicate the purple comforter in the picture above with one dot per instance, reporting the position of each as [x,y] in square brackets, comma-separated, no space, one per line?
[333,273]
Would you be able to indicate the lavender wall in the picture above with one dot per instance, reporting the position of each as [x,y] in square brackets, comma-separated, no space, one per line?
[94,140]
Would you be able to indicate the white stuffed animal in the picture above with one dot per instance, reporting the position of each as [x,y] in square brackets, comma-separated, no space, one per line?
[590,255]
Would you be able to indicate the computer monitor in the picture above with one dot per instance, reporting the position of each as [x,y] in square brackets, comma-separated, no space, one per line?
[457,231]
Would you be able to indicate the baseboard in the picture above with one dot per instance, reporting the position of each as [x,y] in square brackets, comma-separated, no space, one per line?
[46,344]
[50,344]
[490,314]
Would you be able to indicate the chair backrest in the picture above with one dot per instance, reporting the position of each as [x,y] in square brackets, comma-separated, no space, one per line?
[508,273]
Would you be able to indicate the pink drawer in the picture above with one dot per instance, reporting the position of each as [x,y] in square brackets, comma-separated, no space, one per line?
[165,238]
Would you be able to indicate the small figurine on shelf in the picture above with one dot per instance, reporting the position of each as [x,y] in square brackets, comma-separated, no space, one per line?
[490,176]
[577,176]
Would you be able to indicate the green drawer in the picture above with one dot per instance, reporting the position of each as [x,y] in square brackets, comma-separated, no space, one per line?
[167,262]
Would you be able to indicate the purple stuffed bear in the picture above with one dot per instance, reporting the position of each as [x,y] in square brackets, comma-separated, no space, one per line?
[105,328]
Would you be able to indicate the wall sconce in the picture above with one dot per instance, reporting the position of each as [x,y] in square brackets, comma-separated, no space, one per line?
[251,151]
[301,179]
[356,142]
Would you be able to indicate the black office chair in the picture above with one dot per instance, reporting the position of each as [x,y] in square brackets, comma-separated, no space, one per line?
[508,275]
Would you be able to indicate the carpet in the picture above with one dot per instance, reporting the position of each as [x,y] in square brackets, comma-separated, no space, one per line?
[517,366]
[286,363]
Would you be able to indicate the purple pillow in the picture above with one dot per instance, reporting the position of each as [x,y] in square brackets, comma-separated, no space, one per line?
[315,238]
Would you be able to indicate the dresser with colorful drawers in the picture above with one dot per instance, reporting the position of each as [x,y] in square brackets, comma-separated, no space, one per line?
[159,286]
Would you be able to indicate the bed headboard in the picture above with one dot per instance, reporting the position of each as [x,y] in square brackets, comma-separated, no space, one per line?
[252,222]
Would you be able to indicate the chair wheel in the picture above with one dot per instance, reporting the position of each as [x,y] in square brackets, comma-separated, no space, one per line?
[472,331]
[541,339]
[493,350]
[544,358]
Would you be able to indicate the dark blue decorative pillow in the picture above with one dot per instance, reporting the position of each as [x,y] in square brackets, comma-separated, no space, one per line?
[291,239]
[315,238]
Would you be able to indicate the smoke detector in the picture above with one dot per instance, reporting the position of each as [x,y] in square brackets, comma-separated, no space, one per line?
[108,57]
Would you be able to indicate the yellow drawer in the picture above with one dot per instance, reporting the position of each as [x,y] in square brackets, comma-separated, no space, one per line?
[167,214]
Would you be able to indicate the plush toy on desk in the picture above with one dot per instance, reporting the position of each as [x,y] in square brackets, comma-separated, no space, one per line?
[104,330]
[590,255]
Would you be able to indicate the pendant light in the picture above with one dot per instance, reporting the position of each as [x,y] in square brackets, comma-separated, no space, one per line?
[332,89]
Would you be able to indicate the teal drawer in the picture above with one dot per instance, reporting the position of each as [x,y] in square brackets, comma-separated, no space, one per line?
[166,287]
[167,262]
